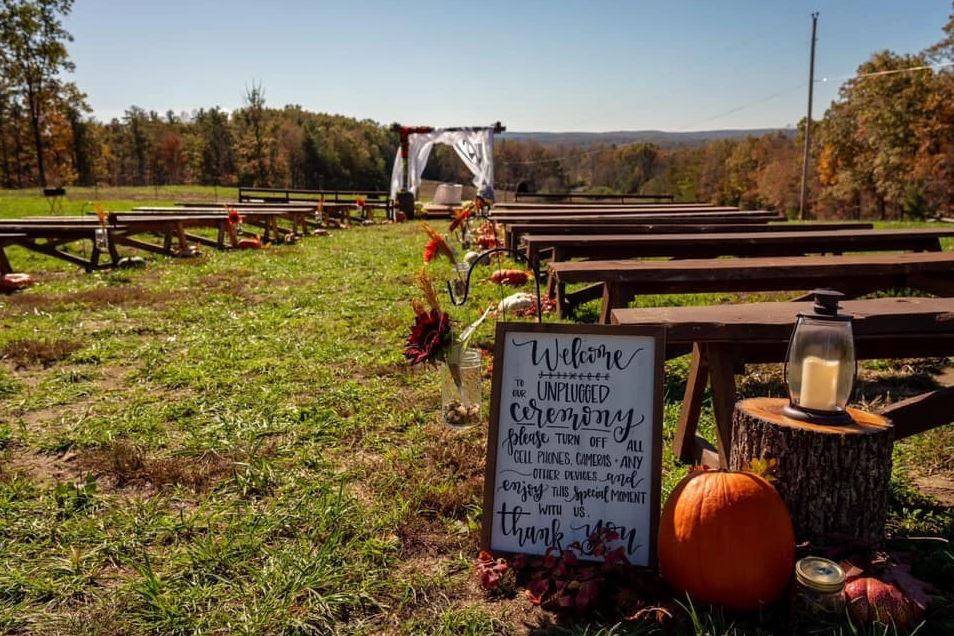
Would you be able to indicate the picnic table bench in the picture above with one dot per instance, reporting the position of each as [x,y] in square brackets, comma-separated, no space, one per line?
[724,338]
[513,232]
[856,274]
[782,243]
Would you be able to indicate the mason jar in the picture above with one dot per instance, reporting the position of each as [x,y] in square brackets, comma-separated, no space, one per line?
[460,278]
[460,390]
[101,239]
[819,587]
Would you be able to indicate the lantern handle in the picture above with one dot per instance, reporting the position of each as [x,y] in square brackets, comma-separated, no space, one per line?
[533,264]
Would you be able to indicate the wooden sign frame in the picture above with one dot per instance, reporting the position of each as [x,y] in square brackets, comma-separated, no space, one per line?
[658,334]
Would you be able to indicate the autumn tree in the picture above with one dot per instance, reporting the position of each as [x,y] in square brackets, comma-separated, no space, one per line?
[32,55]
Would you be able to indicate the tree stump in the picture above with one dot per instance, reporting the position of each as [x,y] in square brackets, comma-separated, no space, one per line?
[834,479]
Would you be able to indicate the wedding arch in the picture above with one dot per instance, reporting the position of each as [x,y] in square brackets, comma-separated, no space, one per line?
[474,146]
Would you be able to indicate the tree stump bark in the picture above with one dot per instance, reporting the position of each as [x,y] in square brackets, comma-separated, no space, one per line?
[834,479]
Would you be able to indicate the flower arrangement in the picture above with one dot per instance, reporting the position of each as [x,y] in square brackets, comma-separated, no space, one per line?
[487,236]
[430,338]
[561,581]
[234,217]
[101,213]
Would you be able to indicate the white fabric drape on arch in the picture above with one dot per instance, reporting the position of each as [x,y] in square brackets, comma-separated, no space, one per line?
[475,147]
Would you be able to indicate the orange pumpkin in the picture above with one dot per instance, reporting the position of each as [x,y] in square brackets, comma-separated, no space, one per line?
[727,538]
[512,277]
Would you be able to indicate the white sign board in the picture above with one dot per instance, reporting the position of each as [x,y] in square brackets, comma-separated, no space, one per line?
[575,438]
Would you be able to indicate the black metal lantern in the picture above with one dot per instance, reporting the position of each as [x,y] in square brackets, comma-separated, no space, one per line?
[820,364]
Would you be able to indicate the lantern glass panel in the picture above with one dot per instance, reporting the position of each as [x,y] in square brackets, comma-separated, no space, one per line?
[821,364]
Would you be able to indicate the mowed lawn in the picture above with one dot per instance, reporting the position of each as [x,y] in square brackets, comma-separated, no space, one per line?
[233,444]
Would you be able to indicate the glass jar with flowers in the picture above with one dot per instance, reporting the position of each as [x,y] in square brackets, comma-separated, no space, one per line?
[432,341]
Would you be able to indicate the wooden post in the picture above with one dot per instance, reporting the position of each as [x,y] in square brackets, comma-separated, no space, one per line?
[834,479]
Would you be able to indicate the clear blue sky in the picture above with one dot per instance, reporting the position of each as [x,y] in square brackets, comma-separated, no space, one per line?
[557,66]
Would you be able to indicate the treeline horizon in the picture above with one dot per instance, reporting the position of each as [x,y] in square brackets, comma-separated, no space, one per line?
[884,148]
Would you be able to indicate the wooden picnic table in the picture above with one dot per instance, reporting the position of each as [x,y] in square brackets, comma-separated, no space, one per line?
[246,204]
[265,218]
[590,196]
[724,338]
[695,218]
[529,205]
[544,214]
[617,209]
[49,238]
[856,274]
[787,243]
[513,232]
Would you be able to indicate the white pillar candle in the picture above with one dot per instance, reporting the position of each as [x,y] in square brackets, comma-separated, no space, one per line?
[819,383]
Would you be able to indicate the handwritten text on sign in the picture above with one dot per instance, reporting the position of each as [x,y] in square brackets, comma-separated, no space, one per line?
[574,442]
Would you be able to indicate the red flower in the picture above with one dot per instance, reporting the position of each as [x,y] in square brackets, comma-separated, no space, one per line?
[430,335]
[234,216]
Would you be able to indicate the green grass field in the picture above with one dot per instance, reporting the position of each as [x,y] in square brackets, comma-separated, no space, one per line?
[233,444]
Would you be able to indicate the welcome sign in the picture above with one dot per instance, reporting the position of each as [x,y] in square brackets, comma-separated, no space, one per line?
[575,440]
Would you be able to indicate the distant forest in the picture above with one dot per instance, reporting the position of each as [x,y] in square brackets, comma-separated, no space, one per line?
[884,149]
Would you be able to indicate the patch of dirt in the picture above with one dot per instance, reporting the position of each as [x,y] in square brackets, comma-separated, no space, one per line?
[114,295]
[122,466]
[940,487]
[233,283]
[42,468]
[31,352]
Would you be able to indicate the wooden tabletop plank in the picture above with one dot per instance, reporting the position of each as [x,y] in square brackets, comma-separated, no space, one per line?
[609,209]
[548,228]
[277,212]
[755,267]
[518,230]
[695,217]
[519,205]
[608,240]
[594,212]
[763,321]
[786,243]
[247,204]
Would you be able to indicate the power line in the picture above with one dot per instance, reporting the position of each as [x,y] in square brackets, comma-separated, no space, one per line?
[731,111]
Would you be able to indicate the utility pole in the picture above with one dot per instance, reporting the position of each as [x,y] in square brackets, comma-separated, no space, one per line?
[802,200]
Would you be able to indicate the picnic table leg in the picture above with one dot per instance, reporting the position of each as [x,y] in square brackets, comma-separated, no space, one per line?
[5,267]
[233,236]
[533,256]
[167,241]
[684,443]
[183,241]
[113,252]
[615,296]
[722,380]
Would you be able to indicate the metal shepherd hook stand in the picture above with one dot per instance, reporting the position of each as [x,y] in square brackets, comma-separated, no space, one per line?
[485,256]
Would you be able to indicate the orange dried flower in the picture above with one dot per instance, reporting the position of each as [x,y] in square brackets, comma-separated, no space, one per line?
[436,246]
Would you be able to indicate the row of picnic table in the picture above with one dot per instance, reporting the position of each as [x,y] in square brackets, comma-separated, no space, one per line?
[174,226]
[621,252]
